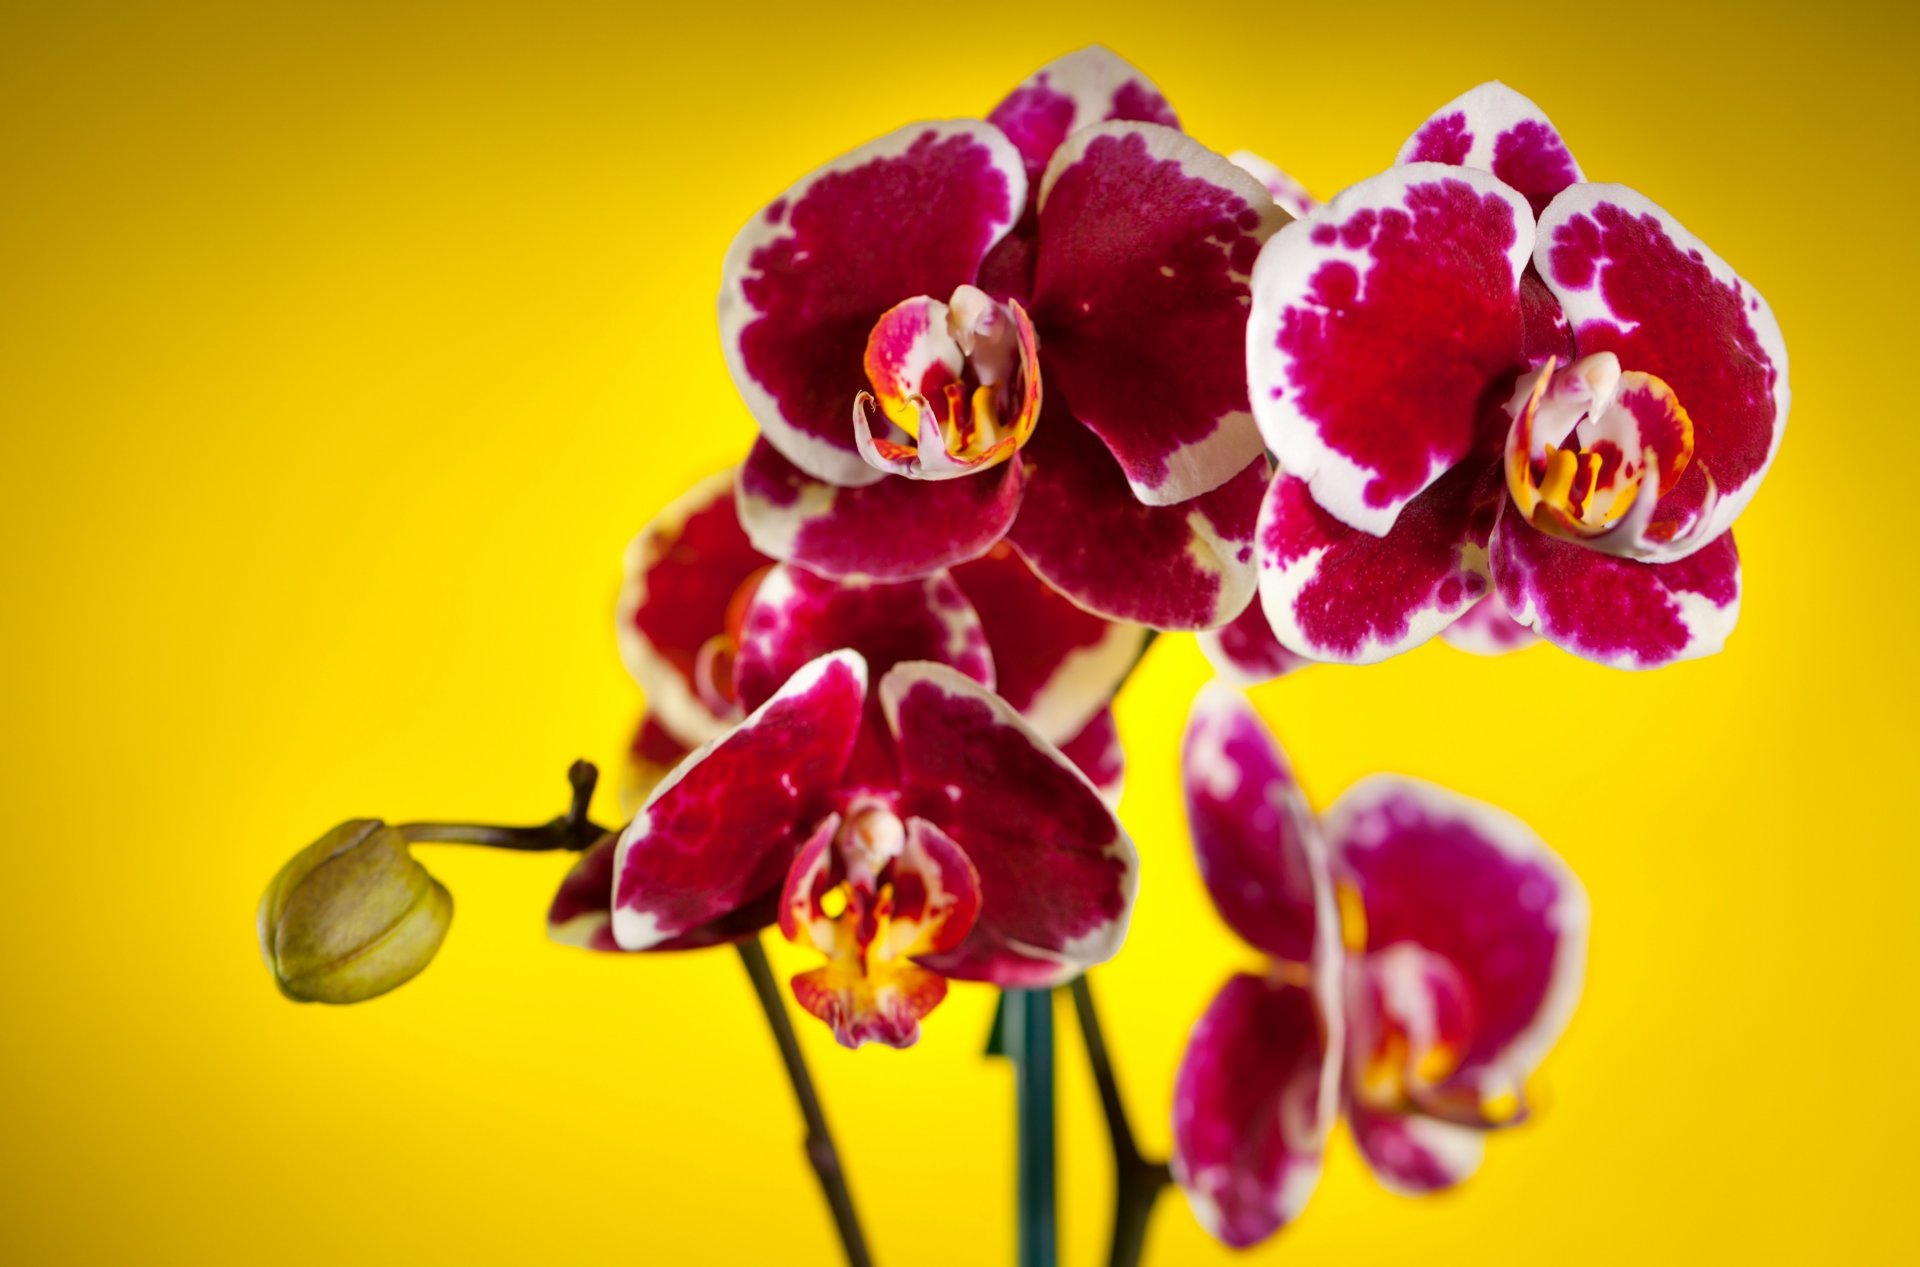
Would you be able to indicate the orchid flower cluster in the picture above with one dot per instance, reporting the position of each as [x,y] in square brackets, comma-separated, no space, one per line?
[1034,387]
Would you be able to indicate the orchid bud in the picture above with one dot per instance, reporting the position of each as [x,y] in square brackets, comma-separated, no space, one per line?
[352,916]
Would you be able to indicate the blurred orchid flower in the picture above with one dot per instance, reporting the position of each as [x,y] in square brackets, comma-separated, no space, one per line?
[922,829]
[1029,326]
[1427,951]
[1483,376]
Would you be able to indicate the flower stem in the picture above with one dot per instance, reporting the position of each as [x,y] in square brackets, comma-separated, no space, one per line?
[1136,1181]
[821,1153]
[573,830]
[1029,1042]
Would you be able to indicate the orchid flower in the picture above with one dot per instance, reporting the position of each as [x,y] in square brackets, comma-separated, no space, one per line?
[1027,327]
[1426,952]
[1486,379]
[857,780]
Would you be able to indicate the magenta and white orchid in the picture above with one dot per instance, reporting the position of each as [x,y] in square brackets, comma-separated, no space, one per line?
[1482,376]
[858,780]
[1029,326]
[1426,952]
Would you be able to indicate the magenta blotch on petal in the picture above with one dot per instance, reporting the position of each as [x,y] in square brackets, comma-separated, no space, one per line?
[1253,1104]
[896,530]
[1096,751]
[1616,611]
[1497,130]
[1091,85]
[912,213]
[1057,872]
[1333,593]
[1386,333]
[1415,1155]
[1147,242]
[1253,835]
[722,829]
[1181,567]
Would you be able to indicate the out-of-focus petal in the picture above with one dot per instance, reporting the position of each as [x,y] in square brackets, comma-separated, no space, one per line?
[1414,1155]
[1244,651]
[796,616]
[1637,284]
[1147,241]
[1335,593]
[1253,835]
[1097,752]
[1091,85]
[1057,872]
[1616,611]
[1255,1098]
[912,213]
[722,829]
[1386,332]
[1474,887]
[896,530]
[1181,567]
[1497,130]
[582,910]
[682,573]
[1287,193]
[1488,628]
[651,753]
[1056,663]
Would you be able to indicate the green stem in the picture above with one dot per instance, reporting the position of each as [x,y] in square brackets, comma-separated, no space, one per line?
[1029,1043]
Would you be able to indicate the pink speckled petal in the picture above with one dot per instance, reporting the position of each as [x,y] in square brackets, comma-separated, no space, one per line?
[1252,1106]
[1055,663]
[912,213]
[1097,752]
[1091,85]
[1287,193]
[682,573]
[1244,651]
[1415,1155]
[1634,282]
[1140,296]
[722,829]
[1057,872]
[1471,954]
[582,911]
[1181,567]
[651,755]
[1497,130]
[1334,593]
[1616,611]
[1386,332]
[1254,837]
[1488,629]
[896,530]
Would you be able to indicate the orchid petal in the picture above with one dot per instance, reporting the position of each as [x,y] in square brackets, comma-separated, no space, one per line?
[1497,130]
[1463,916]
[1091,85]
[1055,663]
[1189,566]
[1252,1106]
[651,755]
[682,574]
[722,829]
[1488,629]
[1140,295]
[1616,611]
[1254,838]
[912,213]
[1057,872]
[881,1007]
[1244,651]
[1379,325]
[1096,751]
[1415,1155]
[582,910]
[1287,193]
[1637,284]
[895,530]
[1333,593]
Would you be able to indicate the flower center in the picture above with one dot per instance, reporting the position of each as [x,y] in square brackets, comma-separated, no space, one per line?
[1593,453]
[957,385]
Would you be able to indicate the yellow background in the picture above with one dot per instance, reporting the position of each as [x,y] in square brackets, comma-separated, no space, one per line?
[343,348]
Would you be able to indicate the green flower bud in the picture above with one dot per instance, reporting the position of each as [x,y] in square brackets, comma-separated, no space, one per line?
[352,916]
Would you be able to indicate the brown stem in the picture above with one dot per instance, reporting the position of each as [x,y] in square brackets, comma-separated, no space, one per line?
[573,830]
[1136,1181]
